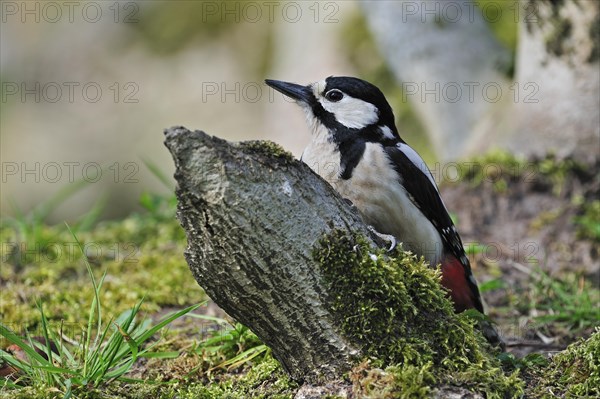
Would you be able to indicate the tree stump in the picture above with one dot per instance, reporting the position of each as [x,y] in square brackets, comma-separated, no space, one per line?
[252,219]
[280,251]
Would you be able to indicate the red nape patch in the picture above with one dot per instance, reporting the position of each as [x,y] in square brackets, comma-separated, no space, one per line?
[454,279]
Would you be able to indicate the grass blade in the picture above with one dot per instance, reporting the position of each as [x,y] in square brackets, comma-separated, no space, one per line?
[95,308]
[244,357]
[15,339]
[160,355]
[168,319]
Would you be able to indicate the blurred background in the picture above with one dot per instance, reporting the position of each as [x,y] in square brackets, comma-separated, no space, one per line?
[88,87]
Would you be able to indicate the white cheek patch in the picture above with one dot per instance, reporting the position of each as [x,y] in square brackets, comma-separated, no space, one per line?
[351,112]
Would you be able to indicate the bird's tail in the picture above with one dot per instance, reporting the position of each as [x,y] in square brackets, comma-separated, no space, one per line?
[458,279]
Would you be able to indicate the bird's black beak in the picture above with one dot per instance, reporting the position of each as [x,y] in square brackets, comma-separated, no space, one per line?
[292,90]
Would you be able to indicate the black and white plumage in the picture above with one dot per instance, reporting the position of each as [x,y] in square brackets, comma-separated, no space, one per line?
[356,147]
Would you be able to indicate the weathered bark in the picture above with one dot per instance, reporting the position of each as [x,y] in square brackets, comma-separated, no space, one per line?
[251,220]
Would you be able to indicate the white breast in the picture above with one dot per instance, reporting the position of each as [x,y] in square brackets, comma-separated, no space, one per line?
[375,190]
[322,155]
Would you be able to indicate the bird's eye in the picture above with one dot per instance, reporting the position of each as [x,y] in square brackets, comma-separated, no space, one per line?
[334,95]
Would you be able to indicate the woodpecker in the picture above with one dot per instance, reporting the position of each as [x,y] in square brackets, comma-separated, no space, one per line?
[356,147]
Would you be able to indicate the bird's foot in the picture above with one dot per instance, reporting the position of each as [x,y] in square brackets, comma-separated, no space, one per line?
[385,237]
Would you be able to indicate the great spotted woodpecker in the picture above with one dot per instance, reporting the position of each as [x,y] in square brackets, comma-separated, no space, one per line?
[356,147]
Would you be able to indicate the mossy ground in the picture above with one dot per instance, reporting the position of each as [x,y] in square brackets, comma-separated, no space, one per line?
[535,222]
[573,373]
[265,379]
[142,256]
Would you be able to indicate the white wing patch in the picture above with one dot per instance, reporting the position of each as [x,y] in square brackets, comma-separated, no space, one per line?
[417,161]
[387,132]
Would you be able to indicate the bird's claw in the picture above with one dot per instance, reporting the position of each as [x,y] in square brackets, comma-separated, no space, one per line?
[385,237]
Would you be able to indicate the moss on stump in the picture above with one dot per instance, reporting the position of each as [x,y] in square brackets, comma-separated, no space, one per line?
[395,307]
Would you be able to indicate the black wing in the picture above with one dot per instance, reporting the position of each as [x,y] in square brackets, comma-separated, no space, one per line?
[423,192]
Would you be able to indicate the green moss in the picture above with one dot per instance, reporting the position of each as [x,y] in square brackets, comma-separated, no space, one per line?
[501,168]
[496,168]
[556,171]
[265,379]
[574,372]
[267,148]
[588,223]
[394,307]
[29,393]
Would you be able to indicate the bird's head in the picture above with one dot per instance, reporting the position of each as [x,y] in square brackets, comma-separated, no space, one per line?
[348,108]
